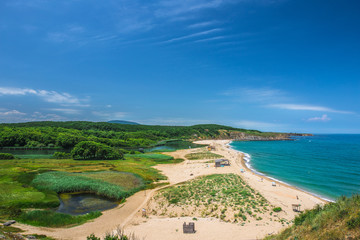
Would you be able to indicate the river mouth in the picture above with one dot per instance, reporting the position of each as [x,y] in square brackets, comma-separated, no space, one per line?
[82,203]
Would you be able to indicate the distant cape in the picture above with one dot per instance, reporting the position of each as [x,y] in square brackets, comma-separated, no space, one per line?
[123,122]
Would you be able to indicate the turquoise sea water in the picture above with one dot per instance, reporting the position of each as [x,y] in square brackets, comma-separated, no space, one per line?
[326,165]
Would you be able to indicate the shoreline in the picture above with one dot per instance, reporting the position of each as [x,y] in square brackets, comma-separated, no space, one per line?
[254,176]
[248,167]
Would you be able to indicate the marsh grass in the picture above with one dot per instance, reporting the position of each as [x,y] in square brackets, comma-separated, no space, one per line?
[18,193]
[48,218]
[101,183]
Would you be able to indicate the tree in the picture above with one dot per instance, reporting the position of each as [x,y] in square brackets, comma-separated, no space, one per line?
[89,150]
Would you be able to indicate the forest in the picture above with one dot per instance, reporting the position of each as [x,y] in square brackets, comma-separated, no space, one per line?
[67,134]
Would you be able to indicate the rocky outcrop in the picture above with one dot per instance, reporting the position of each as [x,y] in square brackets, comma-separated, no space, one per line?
[242,136]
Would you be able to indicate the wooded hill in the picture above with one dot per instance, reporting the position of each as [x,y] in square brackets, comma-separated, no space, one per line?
[68,134]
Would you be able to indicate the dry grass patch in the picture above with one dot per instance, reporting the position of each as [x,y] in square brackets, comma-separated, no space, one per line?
[202,155]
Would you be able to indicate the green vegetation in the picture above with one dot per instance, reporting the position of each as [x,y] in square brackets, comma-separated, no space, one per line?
[340,220]
[277,209]
[89,150]
[118,234]
[6,156]
[61,155]
[68,134]
[34,183]
[97,183]
[46,218]
[224,196]
[202,155]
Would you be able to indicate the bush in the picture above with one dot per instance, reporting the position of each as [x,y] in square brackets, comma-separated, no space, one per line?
[89,150]
[6,156]
[61,155]
[117,235]
[277,209]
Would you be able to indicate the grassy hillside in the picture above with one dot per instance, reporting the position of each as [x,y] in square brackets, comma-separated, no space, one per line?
[340,220]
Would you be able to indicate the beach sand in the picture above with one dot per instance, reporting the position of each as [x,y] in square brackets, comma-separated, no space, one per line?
[128,215]
[281,195]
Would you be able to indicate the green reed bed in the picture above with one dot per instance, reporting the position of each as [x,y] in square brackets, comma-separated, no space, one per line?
[45,218]
[61,182]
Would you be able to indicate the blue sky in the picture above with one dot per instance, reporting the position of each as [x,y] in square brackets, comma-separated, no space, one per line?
[272,65]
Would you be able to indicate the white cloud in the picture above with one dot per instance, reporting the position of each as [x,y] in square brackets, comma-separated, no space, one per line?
[12,113]
[323,118]
[175,8]
[193,35]
[110,115]
[16,91]
[210,39]
[48,96]
[307,108]
[203,24]
[66,110]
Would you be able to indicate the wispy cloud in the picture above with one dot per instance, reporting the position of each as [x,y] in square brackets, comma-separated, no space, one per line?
[66,110]
[174,8]
[203,24]
[257,125]
[323,118]
[210,39]
[258,94]
[110,115]
[71,33]
[307,108]
[12,113]
[207,32]
[48,96]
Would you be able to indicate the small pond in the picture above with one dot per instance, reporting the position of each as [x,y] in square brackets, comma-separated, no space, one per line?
[82,203]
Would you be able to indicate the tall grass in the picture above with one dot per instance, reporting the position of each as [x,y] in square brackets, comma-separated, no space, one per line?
[339,220]
[71,182]
[53,219]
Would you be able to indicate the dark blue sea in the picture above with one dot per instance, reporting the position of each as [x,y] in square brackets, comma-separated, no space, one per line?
[325,165]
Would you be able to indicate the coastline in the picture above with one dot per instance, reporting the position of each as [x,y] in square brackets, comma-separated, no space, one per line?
[248,167]
[282,194]
[128,215]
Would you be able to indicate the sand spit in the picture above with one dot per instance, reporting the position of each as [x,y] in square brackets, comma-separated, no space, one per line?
[128,215]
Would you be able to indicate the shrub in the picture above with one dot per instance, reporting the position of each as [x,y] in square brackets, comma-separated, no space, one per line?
[6,156]
[89,150]
[277,209]
[61,155]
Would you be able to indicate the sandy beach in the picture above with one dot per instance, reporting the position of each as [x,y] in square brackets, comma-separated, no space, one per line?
[281,195]
[128,214]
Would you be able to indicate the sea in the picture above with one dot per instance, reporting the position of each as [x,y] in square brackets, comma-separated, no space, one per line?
[325,165]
